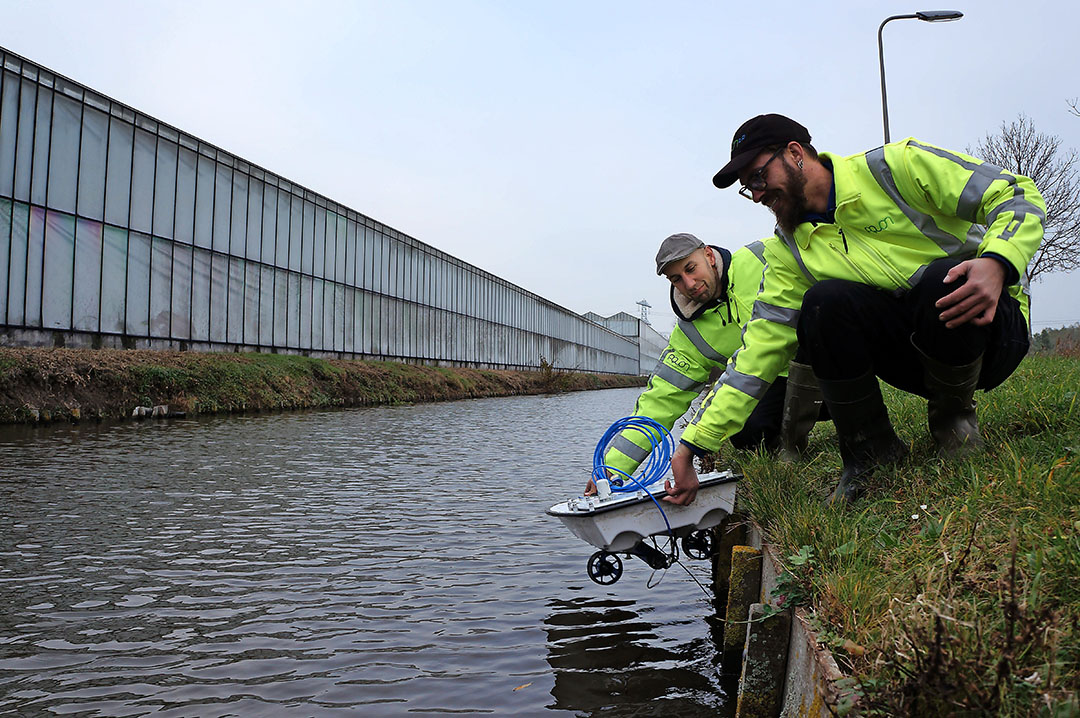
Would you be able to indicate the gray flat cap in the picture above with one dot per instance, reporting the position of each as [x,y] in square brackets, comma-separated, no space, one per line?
[677,246]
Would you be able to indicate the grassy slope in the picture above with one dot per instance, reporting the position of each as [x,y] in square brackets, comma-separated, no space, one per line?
[105,383]
[953,588]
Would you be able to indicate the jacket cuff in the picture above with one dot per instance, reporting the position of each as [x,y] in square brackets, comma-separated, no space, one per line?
[694,449]
[1011,275]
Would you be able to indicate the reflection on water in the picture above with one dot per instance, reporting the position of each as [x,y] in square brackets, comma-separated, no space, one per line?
[386,561]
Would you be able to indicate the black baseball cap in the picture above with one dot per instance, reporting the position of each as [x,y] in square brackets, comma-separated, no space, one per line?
[752,137]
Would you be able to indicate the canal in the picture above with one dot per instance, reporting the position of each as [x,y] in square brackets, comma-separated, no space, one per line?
[385,561]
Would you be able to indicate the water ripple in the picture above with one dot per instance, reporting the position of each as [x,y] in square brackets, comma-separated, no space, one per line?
[390,561]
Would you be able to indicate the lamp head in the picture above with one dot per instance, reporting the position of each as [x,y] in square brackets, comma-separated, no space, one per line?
[939,15]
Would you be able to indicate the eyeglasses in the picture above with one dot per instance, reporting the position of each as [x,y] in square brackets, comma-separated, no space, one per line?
[756,183]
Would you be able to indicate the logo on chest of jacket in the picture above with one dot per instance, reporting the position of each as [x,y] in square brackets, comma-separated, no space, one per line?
[881,226]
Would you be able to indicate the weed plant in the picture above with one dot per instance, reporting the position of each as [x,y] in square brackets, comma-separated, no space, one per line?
[953,587]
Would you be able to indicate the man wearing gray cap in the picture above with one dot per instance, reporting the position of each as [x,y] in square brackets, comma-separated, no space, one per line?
[906,262]
[712,294]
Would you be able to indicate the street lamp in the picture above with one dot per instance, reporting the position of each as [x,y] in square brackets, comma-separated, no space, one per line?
[924,15]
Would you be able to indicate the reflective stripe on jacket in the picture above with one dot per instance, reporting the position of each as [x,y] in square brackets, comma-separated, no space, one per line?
[695,348]
[898,208]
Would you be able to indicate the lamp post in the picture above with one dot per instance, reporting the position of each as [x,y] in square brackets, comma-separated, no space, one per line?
[925,16]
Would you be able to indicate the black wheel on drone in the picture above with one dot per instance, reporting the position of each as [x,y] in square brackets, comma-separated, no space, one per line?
[698,544]
[605,568]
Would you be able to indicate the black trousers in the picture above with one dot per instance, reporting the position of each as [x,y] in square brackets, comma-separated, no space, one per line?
[847,328]
[763,425]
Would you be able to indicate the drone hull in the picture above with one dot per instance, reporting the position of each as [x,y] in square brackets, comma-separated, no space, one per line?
[617,522]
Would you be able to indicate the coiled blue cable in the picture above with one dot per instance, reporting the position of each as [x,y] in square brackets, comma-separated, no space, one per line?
[650,471]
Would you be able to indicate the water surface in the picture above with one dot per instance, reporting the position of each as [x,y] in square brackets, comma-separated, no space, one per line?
[391,561]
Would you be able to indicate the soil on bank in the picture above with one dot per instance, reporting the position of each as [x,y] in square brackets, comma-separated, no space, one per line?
[39,384]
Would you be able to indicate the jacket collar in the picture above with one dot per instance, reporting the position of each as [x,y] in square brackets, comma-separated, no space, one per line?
[844,188]
[686,308]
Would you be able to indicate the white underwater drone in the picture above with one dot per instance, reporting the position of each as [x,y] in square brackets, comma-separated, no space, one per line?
[627,510]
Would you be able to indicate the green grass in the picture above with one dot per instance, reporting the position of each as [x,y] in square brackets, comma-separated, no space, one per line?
[954,586]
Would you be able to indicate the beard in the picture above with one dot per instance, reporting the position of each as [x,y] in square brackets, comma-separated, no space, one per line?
[789,205]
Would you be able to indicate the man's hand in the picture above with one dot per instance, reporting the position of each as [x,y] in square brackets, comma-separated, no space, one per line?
[590,488]
[976,300]
[684,488]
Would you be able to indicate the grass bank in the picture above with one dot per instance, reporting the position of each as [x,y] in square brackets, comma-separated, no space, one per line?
[66,384]
[953,588]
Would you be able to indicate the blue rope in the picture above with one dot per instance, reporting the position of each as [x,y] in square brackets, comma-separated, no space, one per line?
[650,471]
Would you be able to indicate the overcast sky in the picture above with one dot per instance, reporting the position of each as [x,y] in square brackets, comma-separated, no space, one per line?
[556,143]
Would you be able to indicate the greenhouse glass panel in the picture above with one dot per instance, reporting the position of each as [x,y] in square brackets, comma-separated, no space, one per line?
[362,319]
[86,300]
[281,249]
[93,154]
[201,292]
[268,230]
[281,308]
[296,231]
[235,321]
[348,305]
[114,258]
[266,306]
[64,155]
[341,256]
[138,285]
[293,314]
[307,246]
[305,311]
[142,180]
[5,254]
[372,315]
[348,298]
[238,216]
[9,124]
[319,339]
[222,207]
[204,202]
[251,303]
[254,221]
[161,288]
[219,298]
[319,247]
[118,180]
[42,126]
[35,250]
[338,316]
[59,270]
[24,150]
[165,188]
[181,291]
[184,223]
[352,249]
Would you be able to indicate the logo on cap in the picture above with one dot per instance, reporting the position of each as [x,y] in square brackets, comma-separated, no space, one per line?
[737,141]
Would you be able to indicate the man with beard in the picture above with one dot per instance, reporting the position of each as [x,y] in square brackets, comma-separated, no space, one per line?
[712,294]
[906,263]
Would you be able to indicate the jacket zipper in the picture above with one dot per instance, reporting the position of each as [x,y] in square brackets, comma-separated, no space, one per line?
[887,266]
[856,268]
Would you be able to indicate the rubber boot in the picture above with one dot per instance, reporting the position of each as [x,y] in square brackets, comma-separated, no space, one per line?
[951,410]
[863,430]
[802,407]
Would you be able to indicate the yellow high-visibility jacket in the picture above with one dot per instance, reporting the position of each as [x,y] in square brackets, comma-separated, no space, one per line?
[704,339]
[898,208]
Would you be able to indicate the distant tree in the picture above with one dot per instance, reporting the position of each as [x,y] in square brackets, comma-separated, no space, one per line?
[1074,106]
[1020,148]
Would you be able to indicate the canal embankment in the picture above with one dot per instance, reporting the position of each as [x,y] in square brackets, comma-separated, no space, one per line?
[950,587]
[64,384]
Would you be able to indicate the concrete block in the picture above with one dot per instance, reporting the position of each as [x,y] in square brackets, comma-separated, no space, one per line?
[744,589]
[731,532]
[761,687]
